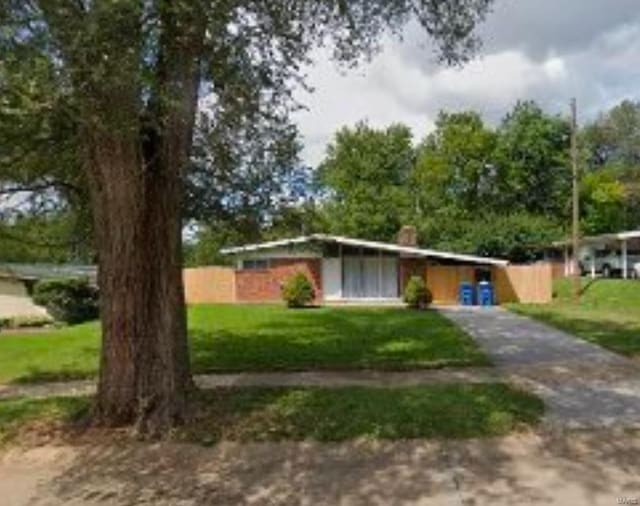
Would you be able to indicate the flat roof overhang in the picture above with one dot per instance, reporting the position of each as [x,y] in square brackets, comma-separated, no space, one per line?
[602,238]
[381,246]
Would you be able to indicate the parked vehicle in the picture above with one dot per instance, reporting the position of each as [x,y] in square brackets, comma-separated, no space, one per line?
[608,262]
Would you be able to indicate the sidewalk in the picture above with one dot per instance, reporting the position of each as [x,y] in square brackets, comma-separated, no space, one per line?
[331,379]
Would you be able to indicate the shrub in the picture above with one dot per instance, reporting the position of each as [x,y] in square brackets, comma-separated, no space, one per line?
[68,300]
[416,293]
[298,291]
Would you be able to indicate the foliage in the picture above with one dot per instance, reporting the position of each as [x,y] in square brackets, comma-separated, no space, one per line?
[533,173]
[207,241]
[455,165]
[611,186]
[58,60]
[297,291]
[416,293]
[520,237]
[69,300]
[235,338]
[466,187]
[614,136]
[366,173]
[56,237]
[603,199]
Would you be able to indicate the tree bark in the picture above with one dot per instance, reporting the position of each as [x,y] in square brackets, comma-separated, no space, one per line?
[144,367]
[135,158]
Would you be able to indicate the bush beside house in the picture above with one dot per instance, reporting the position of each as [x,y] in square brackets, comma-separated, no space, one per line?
[416,293]
[68,300]
[297,291]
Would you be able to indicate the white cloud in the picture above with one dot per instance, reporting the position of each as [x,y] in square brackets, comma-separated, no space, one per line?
[542,50]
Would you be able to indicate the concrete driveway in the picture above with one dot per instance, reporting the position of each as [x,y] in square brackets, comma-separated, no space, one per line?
[12,306]
[582,384]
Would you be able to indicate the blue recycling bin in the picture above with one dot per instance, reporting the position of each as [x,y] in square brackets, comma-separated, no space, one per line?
[466,295]
[485,293]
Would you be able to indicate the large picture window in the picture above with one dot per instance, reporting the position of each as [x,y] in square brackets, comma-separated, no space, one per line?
[370,277]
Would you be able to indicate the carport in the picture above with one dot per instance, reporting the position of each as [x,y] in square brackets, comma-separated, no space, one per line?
[624,243]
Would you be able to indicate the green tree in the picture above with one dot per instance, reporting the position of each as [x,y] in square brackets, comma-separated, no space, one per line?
[518,237]
[603,200]
[366,175]
[611,187]
[129,73]
[533,173]
[615,136]
[454,165]
[56,237]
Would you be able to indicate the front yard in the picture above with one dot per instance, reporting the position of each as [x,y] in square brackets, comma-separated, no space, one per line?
[608,313]
[320,414]
[262,338]
[227,338]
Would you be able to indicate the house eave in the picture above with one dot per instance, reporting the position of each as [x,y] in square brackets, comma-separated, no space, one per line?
[382,246]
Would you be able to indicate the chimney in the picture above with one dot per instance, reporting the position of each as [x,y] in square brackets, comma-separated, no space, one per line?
[408,236]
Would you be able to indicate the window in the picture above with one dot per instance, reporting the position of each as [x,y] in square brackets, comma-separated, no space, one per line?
[255,264]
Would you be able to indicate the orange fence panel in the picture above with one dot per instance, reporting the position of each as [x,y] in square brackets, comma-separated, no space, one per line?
[209,284]
[513,283]
[444,281]
[524,283]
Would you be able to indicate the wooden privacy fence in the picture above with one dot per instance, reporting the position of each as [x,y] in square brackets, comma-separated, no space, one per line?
[524,283]
[209,284]
[444,281]
[513,283]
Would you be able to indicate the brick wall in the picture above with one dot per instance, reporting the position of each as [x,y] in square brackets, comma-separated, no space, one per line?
[209,284]
[264,285]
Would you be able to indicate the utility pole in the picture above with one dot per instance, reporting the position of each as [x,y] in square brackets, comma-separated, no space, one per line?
[575,228]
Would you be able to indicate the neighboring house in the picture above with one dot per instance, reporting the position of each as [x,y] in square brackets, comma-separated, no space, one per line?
[17,280]
[613,254]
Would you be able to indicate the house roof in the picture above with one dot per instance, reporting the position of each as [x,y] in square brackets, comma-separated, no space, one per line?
[603,238]
[348,241]
[40,271]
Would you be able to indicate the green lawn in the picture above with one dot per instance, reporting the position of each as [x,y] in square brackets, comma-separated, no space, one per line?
[608,313]
[274,414]
[261,338]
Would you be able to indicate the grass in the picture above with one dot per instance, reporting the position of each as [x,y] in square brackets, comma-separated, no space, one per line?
[231,338]
[277,414]
[608,313]
[15,414]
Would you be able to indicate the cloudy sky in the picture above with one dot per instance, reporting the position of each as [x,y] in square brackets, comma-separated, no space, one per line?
[545,50]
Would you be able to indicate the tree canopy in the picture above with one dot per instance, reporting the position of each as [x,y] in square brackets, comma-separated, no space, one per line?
[103,96]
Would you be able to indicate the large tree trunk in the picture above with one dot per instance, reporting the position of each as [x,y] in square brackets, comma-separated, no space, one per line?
[136,175]
[136,135]
[144,368]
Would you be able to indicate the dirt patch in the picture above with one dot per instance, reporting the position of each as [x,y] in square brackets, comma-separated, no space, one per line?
[534,468]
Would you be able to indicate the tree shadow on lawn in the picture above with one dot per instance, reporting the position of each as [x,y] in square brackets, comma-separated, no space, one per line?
[336,339]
